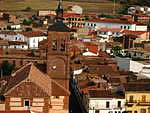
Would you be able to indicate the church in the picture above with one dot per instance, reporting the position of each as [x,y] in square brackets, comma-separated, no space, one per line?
[29,89]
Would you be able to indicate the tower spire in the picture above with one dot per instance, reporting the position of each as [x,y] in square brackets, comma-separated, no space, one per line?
[59,11]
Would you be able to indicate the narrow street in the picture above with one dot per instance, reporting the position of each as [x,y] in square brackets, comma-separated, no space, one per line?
[76,105]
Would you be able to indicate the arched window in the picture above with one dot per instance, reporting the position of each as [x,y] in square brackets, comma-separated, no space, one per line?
[54,45]
[62,48]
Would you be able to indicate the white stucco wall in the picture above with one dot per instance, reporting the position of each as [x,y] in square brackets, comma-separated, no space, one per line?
[34,41]
[77,72]
[123,63]
[133,27]
[127,64]
[141,28]
[100,104]
[135,66]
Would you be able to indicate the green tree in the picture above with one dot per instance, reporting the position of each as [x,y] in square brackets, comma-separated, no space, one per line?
[27,22]
[7,68]
[28,8]
[117,51]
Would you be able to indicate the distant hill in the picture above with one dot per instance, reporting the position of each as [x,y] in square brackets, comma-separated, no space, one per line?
[99,6]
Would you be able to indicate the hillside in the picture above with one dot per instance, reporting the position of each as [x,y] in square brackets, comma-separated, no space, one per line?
[98,6]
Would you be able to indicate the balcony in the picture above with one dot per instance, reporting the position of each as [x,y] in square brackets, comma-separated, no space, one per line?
[137,103]
[130,103]
[144,103]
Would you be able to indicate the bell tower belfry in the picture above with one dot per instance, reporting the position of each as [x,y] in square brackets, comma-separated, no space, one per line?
[58,59]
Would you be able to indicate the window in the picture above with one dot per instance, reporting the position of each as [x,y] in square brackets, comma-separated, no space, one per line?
[21,62]
[54,45]
[62,48]
[148,109]
[143,98]
[128,27]
[14,62]
[115,111]
[57,97]
[22,46]
[33,40]
[143,111]
[107,104]
[129,111]
[15,47]
[131,99]
[124,27]
[121,27]
[26,103]
[119,104]
[16,38]
[96,111]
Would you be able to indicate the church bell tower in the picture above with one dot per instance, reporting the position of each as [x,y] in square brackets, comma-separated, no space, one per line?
[58,59]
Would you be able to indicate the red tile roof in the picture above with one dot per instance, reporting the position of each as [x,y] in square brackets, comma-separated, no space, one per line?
[58,90]
[19,111]
[32,34]
[134,32]
[103,94]
[33,74]
[72,15]
[110,30]
[29,71]
[17,43]
[93,48]
[108,20]
[27,34]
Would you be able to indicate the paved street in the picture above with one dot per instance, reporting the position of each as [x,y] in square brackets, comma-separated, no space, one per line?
[75,103]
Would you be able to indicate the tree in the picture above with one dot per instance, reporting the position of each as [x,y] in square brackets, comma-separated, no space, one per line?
[116,51]
[7,68]
[27,22]
[28,8]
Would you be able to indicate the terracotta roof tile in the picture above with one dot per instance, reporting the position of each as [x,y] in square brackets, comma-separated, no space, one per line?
[134,32]
[32,34]
[58,90]
[107,20]
[110,30]
[29,71]
[17,43]
[3,42]
[15,111]
[72,15]
[103,94]
[137,86]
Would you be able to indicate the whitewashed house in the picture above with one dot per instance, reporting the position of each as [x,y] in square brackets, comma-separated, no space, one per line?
[31,38]
[15,27]
[17,45]
[75,9]
[105,102]
[115,23]
[141,68]
[12,36]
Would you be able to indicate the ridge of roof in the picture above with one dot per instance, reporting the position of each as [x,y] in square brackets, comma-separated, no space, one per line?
[30,72]
[63,88]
